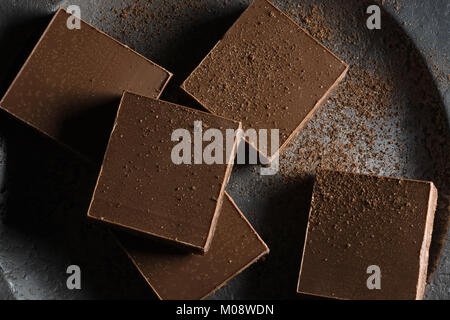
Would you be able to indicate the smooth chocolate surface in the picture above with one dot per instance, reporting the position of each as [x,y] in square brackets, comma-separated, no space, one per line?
[266,72]
[71,84]
[357,221]
[179,275]
[142,189]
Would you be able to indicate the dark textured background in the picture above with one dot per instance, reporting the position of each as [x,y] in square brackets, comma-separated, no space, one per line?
[44,191]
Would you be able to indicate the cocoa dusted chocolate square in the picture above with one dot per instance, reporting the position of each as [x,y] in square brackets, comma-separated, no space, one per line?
[368,237]
[267,72]
[165,171]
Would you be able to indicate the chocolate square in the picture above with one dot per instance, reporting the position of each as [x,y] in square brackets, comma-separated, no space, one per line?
[367,237]
[141,188]
[71,84]
[266,72]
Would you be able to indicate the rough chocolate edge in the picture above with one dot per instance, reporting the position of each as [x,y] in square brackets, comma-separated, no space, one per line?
[440,231]
[299,289]
[308,117]
[230,163]
[266,251]
[424,250]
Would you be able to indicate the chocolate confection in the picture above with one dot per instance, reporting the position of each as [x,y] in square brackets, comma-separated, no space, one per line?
[266,72]
[359,223]
[141,188]
[71,84]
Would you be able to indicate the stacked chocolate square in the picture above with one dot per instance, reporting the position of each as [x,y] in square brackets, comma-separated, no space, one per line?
[166,200]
